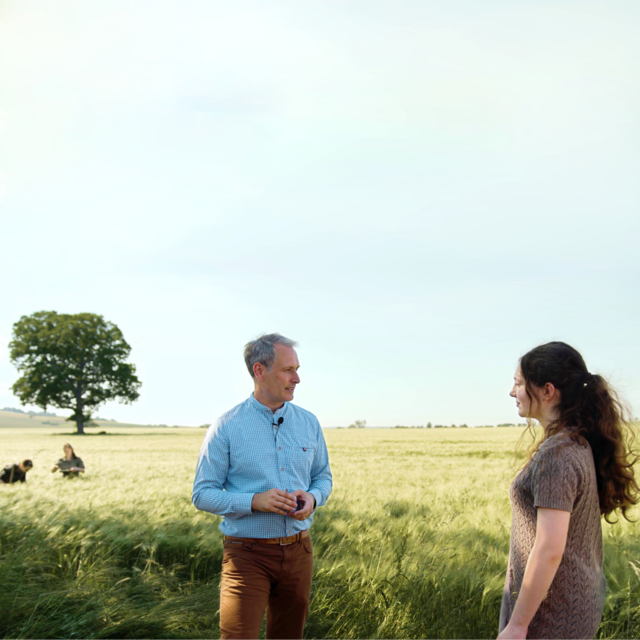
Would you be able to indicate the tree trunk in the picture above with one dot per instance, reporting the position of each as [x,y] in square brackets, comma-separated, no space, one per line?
[79,415]
[79,403]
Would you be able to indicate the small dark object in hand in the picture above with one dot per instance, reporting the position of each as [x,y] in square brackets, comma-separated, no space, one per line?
[299,504]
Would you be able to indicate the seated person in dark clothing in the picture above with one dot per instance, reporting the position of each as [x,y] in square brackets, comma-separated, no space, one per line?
[70,465]
[16,472]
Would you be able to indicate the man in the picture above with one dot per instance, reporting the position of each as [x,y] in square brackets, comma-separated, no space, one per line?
[16,472]
[264,468]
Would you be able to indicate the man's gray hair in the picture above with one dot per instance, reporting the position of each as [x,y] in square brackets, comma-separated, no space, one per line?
[262,350]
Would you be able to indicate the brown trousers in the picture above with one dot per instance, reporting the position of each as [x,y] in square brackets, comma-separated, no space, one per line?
[258,576]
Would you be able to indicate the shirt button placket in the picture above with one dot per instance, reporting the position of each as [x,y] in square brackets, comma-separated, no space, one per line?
[279,448]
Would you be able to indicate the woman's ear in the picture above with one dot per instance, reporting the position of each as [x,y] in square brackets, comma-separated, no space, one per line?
[549,392]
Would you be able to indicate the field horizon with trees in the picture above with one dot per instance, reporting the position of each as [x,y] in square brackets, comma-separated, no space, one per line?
[412,543]
[416,193]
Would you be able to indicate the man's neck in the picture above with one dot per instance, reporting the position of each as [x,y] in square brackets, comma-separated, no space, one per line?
[264,399]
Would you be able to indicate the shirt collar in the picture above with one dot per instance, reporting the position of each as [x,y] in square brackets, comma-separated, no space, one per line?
[281,412]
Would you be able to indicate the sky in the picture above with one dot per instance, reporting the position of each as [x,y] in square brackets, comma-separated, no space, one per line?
[418,192]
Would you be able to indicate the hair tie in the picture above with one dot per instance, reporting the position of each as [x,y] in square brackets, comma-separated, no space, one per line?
[588,377]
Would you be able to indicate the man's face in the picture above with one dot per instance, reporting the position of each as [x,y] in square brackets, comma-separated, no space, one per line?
[279,382]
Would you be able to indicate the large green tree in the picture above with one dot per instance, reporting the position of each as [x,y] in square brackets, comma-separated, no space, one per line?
[72,362]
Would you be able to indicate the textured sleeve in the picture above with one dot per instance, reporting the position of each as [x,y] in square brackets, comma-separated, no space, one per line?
[321,479]
[78,463]
[555,478]
[211,475]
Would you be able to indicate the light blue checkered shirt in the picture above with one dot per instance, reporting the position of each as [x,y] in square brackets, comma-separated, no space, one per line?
[244,454]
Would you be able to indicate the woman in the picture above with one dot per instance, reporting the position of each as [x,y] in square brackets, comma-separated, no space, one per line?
[581,470]
[70,465]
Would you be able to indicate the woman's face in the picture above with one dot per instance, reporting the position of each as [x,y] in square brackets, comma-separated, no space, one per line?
[519,392]
[67,451]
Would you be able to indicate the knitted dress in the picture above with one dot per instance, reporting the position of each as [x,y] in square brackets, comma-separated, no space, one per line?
[562,476]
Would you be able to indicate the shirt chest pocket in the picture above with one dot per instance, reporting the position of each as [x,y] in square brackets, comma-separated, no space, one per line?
[300,456]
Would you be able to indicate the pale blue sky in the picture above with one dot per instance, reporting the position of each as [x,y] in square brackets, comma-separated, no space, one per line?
[418,192]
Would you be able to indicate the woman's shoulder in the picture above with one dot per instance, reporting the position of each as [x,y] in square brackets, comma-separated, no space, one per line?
[563,446]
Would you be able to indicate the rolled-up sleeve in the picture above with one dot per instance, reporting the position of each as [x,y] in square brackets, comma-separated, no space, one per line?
[321,479]
[211,474]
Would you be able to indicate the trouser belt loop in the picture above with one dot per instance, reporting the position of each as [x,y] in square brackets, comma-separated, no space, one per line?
[280,541]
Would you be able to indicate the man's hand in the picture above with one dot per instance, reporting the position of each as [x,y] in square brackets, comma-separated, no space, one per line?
[274,501]
[308,504]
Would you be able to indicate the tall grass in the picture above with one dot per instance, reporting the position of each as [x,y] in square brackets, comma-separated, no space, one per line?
[413,542]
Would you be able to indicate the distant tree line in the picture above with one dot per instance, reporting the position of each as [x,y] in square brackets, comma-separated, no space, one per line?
[48,414]
[360,424]
[30,413]
[456,426]
[432,426]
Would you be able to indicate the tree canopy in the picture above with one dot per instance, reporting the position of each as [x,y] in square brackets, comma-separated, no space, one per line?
[72,362]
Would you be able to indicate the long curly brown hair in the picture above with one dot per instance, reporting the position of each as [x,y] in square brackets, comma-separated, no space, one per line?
[589,411]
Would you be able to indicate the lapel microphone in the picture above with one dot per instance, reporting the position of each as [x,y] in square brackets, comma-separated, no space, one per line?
[277,424]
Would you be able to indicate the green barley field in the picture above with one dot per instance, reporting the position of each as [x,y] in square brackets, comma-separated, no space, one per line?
[412,544]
